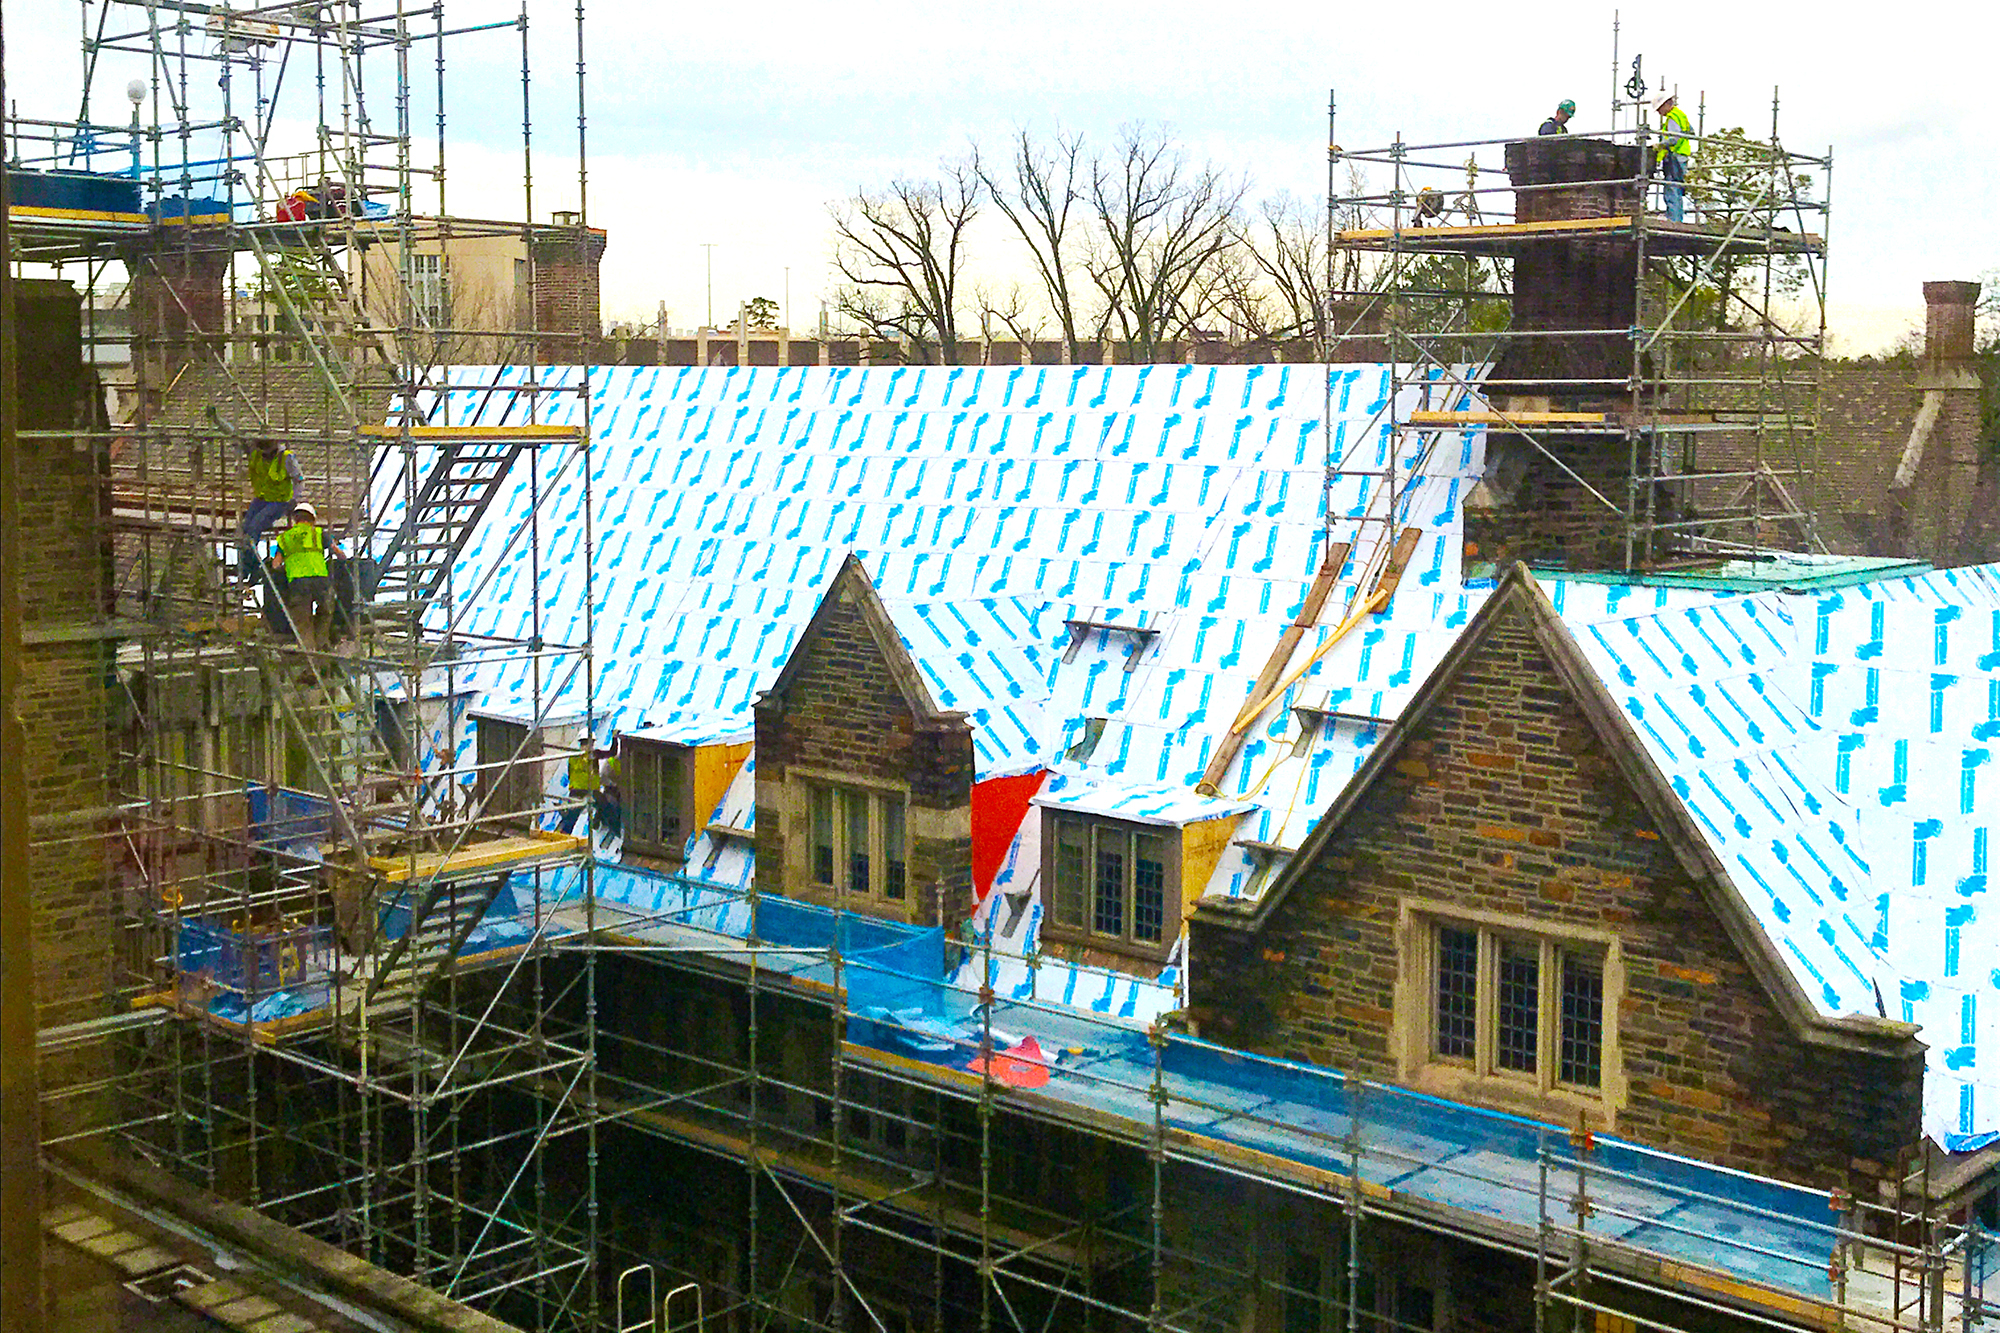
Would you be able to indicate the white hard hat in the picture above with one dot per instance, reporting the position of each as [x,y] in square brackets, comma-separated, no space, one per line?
[304,507]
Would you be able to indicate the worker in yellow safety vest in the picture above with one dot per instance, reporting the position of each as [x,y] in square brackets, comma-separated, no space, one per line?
[582,787]
[274,481]
[308,589]
[1675,131]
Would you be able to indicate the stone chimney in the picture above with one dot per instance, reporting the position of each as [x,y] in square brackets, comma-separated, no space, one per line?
[1940,503]
[177,303]
[1536,502]
[1572,284]
[1948,319]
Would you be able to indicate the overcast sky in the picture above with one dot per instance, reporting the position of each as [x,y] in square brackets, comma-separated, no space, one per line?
[737,124]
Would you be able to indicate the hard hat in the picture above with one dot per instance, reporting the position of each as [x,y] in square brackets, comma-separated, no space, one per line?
[1566,107]
[304,507]
[1666,100]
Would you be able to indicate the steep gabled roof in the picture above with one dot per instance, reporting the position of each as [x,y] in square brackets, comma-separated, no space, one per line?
[1519,595]
[852,584]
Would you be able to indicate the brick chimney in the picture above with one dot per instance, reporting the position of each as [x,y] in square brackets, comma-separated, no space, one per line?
[567,299]
[1940,503]
[1530,506]
[177,291]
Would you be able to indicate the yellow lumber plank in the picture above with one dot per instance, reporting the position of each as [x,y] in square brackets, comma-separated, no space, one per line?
[106,1244]
[1494,229]
[82,1229]
[1507,418]
[1804,1309]
[36,211]
[474,432]
[888,1059]
[143,1260]
[476,856]
[209,1295]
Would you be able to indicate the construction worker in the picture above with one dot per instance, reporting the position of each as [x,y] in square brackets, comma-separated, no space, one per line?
[308,590]
[610,798]
[1559,122]
[275,477]
[1675,130]
[583,787]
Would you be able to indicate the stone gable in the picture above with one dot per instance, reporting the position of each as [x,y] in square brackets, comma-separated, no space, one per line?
[842,710]
[1505,802]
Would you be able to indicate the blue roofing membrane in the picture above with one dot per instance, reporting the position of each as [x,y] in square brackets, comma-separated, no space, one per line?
[1426,1149]
[1832,743]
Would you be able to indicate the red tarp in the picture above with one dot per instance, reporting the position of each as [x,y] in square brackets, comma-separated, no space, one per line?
[998,806]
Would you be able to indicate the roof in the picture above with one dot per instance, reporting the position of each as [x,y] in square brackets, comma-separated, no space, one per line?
[1834,750]
[1680,821]
[1094,564]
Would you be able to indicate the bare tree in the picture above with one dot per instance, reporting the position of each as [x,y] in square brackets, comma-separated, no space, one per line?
[1162,226]
[902,253]
[1009,312]
[1287,244]
[1045,184]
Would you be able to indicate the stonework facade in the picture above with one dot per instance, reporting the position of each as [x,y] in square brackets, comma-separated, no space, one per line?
[1906,463]
[66,669]
[849,713]
[1503,801]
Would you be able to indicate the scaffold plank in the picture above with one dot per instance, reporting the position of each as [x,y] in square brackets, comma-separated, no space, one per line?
[1507,418]
[1663,235]
[438,434]
[497,854]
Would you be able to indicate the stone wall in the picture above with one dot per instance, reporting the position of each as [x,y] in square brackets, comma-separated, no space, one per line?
[68,662]
[1506,800]
[1866,407]
[1541,514]
[843,714]
[177,299]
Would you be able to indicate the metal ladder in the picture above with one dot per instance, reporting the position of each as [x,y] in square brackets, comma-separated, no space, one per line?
[443,913]
[312,290]
[454,494]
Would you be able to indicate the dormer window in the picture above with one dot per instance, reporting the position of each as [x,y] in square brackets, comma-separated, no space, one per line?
[1507,1011]
[510,773]
[658,781]
[1111,884]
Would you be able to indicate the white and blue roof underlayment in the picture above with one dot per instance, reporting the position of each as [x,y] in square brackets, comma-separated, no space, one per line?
[1034,532]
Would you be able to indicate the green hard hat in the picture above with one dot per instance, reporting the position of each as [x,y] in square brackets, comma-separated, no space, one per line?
[1567,107]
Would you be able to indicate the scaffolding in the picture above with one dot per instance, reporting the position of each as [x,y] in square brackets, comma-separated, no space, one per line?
[1679,402]
[886,1188]
[333,903]
[316,1013]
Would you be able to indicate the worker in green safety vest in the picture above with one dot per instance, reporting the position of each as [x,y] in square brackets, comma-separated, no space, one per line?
[1675,130]
[308,589]
[583,788]
[274,481]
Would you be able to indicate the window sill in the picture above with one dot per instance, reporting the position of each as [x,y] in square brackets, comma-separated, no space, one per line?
[1558,1106]
[654,856]
[893,909]
[1098,951]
